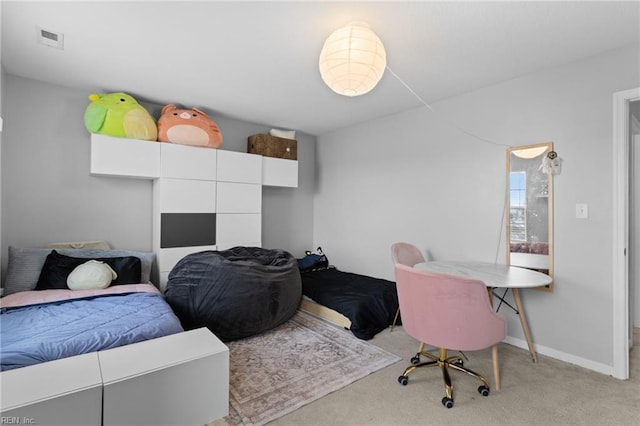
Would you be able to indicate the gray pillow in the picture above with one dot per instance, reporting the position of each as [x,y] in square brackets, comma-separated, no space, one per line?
[25,264]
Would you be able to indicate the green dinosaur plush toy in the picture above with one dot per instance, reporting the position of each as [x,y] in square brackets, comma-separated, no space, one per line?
[119,114]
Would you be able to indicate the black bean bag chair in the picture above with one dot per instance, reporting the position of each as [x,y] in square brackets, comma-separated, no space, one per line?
[236,293]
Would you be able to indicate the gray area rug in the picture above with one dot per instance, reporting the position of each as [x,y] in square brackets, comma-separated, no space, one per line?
[306,358]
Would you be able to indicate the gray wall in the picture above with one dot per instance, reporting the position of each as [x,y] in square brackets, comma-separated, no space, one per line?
[48,194]
[2,97]
[416,177]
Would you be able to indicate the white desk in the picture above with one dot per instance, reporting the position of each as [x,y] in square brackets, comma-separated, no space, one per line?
[496,276]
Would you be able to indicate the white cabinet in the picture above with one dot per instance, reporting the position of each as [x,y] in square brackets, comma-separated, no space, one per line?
[167,258]
[181,379]
[238,198]
[150,160]
[279,172]
[211,198]
[67,391]
[124,157]
[196,209]
[178,379]
[185,195]
[238,229]
[239,167]
[188,162]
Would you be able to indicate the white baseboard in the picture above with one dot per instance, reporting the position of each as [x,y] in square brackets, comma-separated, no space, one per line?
[562,356]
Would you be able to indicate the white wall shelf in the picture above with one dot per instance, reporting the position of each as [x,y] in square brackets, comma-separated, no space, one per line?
[124,157]
[111,156]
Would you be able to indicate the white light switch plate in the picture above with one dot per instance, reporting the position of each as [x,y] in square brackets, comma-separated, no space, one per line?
[582,211]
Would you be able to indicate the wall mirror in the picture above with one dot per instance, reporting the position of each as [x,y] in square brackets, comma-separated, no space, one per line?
[530,201]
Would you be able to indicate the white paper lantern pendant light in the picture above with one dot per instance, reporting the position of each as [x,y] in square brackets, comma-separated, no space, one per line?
[352,60]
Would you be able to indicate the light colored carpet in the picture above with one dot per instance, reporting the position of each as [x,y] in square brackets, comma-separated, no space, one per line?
[549,392]
[306,358]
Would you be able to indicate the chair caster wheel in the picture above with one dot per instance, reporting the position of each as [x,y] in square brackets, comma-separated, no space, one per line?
[447,402]
[415,360]
[459,362]
[484,391]
[403,380]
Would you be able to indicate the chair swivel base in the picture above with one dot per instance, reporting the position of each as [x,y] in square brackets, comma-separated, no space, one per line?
[415,360]
[444,362]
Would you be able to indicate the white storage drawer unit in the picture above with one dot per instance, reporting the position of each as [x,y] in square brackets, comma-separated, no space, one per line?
[182,379]
[188,162]
[239,167]
[279,172]
[238,198]
[65,392]
[238,229]
[168,257]
[222,190]
[186,195]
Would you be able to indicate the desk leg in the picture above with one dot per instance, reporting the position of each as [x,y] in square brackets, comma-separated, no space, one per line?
[523,321]
[496,366]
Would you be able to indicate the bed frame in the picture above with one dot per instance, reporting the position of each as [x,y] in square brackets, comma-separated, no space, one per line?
[363,304]
[178,379]
[324,312]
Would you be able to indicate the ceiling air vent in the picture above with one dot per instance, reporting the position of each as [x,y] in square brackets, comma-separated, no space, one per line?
[50,38]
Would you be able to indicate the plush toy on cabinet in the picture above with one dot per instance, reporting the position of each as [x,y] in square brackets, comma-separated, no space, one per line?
[119,114]
[188,127]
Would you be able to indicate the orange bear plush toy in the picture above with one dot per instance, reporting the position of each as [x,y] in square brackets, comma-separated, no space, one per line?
[188,127]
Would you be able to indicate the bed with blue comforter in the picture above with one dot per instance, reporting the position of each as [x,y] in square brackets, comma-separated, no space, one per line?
[40,326]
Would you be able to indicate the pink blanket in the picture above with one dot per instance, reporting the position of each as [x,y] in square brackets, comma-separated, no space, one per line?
[24,298]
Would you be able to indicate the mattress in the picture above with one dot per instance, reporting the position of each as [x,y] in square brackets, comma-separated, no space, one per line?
[369,303]
[41,326]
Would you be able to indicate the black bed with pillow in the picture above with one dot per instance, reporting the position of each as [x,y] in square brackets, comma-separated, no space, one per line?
[369,303]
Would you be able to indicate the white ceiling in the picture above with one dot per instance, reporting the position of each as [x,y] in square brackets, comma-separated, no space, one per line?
[258,61]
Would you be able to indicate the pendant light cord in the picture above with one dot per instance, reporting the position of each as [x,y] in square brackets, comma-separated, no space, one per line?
[452,124]
[473,135]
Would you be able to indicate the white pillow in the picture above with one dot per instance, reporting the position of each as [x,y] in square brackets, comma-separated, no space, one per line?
[91,275]
[285,134]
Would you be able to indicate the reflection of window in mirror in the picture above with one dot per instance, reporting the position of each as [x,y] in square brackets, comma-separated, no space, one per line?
[530,222]
[518,207]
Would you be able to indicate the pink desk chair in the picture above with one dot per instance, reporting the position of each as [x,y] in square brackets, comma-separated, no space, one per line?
[406,254]
[450,313]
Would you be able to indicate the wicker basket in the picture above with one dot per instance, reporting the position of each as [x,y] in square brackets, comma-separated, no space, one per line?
[272,146]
